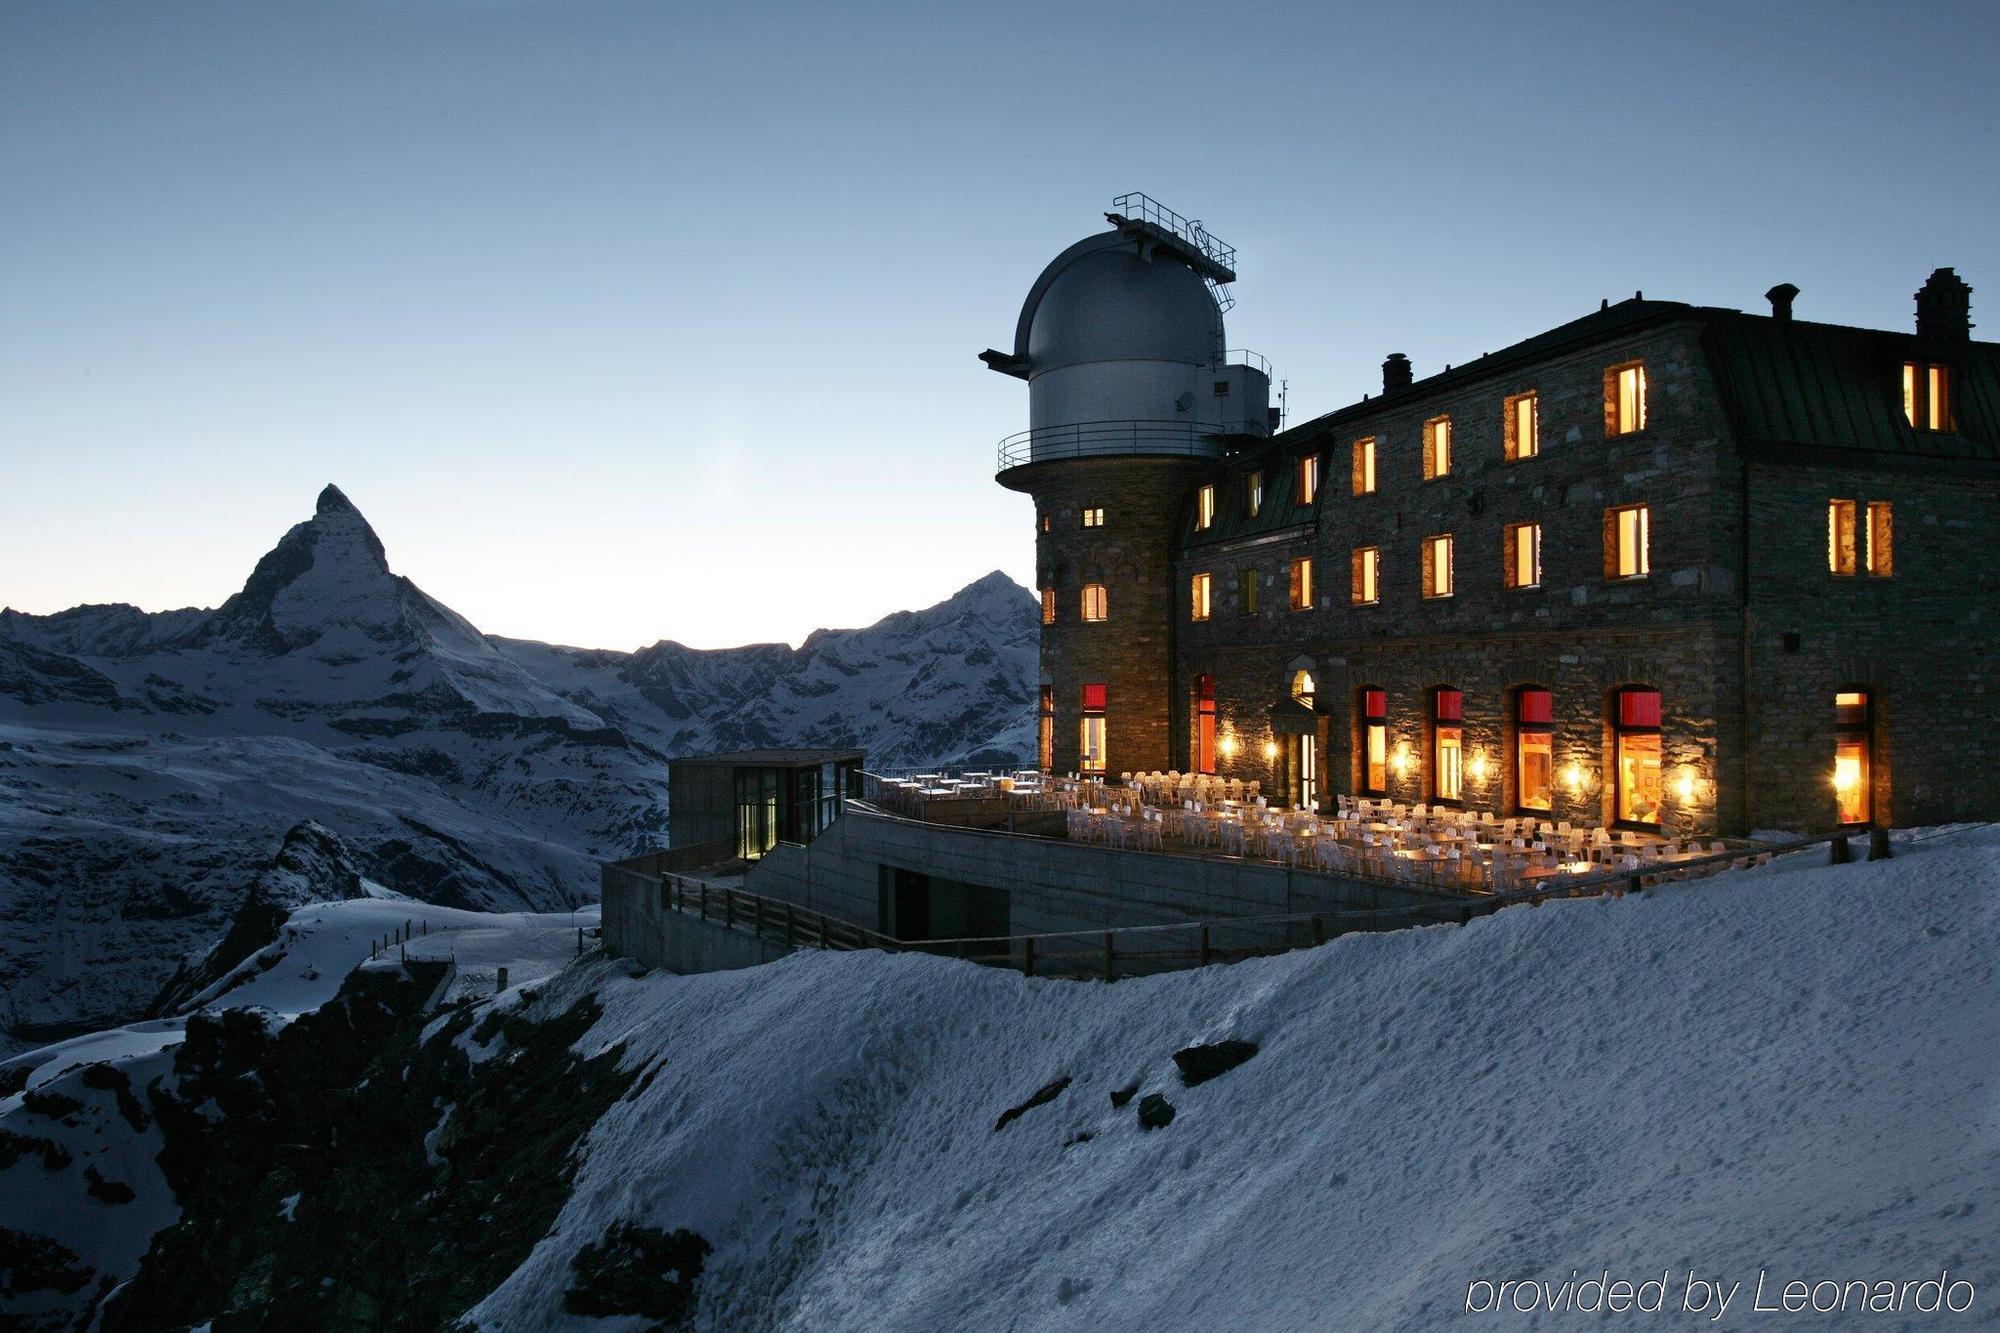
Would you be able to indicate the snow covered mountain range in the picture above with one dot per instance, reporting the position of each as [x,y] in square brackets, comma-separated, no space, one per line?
[152,764]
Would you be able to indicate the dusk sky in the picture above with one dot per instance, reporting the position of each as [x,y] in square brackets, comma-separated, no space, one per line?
[624,322]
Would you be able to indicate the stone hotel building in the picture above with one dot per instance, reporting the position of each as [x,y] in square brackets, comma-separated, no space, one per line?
[1665,566]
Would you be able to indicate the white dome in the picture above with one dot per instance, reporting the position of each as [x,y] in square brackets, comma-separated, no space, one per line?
[1114,305]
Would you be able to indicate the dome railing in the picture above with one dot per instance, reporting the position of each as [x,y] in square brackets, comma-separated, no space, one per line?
[1094,439]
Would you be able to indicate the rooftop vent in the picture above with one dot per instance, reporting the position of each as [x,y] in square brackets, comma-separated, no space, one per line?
[1944,307]
[1395,373]
[1781,297]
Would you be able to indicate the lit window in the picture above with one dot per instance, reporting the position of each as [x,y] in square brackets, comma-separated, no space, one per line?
[1364,466]
[1090,748]
[1881,538]
[1204,508]
[1374,712]
[1840,515]
[1627,543]
[1253,494]
[1523,554]
[1303,688]
[1094,602]
[1448,745]
[1927,396]
[1364,584]
[1437,566]
[1523,427]
[1048,606]
[1302,584]
[1246,591]
[1534,749]
[1199,594]
[1437,448]
[1045,737]
[1853,755]
[1625,399]
[1308,479]
[1636,724]
[1046,525]
[1093,518]
[1204,724]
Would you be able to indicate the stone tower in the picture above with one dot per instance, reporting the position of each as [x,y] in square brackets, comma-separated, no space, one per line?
[1130,392]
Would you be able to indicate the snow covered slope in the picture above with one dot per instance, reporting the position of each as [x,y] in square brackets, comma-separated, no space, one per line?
[151,763]
[1788,1070]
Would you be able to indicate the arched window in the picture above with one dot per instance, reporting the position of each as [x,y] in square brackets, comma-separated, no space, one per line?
[1372,714]
[1853,757]
[1302,687]
[1204,724]
[1447,744]
[1635,724]
[1534,749]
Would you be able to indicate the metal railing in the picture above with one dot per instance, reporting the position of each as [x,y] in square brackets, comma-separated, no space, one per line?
[1090,439]
[1145,208]
[1128,951]
[1243,356]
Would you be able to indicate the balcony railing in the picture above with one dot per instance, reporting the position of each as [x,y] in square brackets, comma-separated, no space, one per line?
[1145,208]
[1094,439]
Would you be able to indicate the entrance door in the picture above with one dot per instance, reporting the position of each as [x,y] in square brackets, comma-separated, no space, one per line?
[1302,762]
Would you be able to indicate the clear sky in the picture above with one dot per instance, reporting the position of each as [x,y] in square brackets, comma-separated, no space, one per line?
[636,321]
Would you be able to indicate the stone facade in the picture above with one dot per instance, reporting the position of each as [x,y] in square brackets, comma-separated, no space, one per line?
[1751,425]
[1143,501]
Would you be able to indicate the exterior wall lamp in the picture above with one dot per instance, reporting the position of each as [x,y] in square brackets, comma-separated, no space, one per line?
[1270,750]
[1476,768]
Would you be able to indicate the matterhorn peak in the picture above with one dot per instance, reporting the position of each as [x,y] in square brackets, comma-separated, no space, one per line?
[334,500]
[330,568]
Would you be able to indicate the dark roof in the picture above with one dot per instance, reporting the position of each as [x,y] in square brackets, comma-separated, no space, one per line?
[1783,382]
[1830,386]
[1279,510]
[1598,326]
[771,758]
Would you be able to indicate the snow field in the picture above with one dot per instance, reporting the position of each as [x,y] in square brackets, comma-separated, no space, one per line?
[1788,1069]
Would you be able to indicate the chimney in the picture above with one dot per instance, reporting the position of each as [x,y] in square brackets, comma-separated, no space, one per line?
[1780,298]
[1944,307]
[1395,373]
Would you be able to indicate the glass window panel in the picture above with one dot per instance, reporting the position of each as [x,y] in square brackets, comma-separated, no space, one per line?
[1536,770]
[1639,777]
[1450,763]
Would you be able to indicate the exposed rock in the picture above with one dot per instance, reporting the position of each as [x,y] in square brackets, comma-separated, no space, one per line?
[637,1270]
[1155,1111]
[1199,1064]
[36,1263]
[110,1191]
[13,1147]
[427,1210]
[54,1105]
[1123,1095]
[110,1078]
[1042,1097]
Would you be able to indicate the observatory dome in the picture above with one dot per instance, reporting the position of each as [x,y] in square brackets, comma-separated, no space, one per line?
[1116,305]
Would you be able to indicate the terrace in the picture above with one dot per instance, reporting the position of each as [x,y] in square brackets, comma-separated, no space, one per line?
[1444,849]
